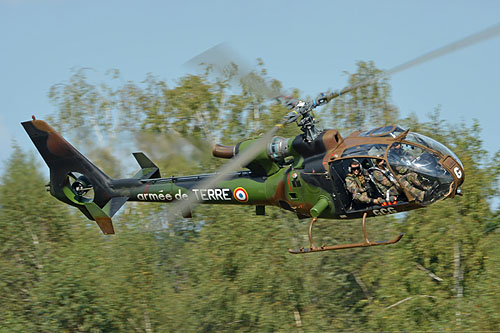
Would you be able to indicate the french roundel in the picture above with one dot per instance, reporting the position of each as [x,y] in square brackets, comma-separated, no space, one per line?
[240,194]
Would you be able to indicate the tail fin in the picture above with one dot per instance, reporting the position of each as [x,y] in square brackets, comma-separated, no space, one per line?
[148,168]
[73,178]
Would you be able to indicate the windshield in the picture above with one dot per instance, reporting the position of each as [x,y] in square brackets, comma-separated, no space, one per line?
[433,144]
[419,172]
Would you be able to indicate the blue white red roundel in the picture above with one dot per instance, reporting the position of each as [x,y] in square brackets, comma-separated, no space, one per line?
[240,194]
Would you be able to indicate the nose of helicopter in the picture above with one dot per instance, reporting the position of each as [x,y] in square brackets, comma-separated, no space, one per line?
[456,169]
[426,173]
[439,163]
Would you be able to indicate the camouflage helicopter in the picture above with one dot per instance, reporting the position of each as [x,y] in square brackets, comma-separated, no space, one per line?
[305,174]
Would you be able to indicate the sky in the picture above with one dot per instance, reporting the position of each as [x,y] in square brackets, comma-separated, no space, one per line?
[306,45]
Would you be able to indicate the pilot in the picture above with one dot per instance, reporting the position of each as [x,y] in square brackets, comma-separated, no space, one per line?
[385,181]
[356,183]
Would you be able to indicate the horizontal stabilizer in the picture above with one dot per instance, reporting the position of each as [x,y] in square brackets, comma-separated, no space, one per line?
[148,168]
[114,205]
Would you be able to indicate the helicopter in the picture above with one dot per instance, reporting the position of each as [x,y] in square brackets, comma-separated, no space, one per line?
[305,174]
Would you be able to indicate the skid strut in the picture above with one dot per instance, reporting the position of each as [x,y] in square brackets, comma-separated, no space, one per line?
[365,243]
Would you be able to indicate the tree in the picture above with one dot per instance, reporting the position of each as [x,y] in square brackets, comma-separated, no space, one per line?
[366,106]
[229,269]
[33,226]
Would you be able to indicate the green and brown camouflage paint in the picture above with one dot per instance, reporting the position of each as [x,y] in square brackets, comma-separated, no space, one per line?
[304,185]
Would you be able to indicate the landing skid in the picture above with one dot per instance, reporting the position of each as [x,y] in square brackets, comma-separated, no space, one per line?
[366,242]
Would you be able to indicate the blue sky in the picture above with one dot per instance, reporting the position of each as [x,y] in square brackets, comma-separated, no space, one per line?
[306,45]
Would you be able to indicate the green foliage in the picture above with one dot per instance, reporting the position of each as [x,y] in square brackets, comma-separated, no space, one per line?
[367,106]
[227,269]
[33,227]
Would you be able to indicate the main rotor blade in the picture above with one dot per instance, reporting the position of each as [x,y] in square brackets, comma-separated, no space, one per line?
[224,172]
[220,56]
[224,60]
[478,37]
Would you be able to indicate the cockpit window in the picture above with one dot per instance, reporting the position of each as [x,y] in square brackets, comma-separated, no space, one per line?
[364,183]
[419,172]
[365,150]
[431,143]
[392,131]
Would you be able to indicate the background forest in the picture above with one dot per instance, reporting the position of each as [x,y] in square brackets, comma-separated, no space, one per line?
[227,269]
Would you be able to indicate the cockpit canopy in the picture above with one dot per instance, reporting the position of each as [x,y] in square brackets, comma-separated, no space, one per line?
[394,131]
[419,171]
[432,144]
[420,168]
